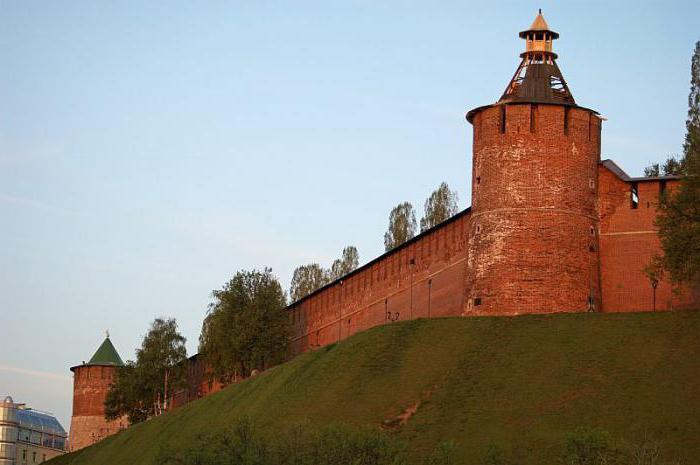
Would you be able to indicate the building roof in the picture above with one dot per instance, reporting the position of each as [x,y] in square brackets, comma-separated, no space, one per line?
[539,24]
[39,421]
[620,173]
[538,78]
[106,355]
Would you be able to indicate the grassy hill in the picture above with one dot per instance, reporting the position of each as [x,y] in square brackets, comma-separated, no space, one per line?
[522,383]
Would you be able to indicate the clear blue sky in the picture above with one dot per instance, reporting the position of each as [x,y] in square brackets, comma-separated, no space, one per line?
[148,150]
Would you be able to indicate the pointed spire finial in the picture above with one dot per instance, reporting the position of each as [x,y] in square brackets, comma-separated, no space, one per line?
[107,333]
[540,11]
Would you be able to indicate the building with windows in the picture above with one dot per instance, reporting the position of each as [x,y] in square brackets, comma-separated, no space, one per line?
[29,436]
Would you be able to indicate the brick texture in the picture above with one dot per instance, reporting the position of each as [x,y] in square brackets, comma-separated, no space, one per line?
[88,425]
[628,241]
[424,278]
[199,383]
[533,244]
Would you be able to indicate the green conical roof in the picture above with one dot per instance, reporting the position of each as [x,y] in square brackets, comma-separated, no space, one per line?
[106,355]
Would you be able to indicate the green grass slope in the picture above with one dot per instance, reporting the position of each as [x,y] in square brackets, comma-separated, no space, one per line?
[522,383]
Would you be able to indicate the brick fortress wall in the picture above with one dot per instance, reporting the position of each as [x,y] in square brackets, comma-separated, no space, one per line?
[628,240]
[422,278]
[429,276]
[550,230]
[199,383]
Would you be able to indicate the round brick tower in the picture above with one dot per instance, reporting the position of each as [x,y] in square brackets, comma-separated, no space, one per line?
[533,239]
[91,382]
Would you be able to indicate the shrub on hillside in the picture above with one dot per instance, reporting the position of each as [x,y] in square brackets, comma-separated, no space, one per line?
[244,444]
[495,456]
[444,454]
[590,446]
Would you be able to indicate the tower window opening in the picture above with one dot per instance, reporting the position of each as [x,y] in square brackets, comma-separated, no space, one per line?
[533,124]
[592,230]
[478,179]
[477,301]
[566,120]
[591,248]
[503,119]
[634,196]
[662,188]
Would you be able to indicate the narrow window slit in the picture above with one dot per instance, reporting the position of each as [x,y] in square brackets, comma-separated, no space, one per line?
[634,196]
[503,119]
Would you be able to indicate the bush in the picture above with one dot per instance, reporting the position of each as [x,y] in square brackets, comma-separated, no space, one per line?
[242,444]
[590,446]
[495,456]
[444,454]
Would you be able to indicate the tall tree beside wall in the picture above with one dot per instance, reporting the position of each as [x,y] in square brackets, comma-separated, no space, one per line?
[673,166]
[679,217]
[402,226]
[141,388]
[306,279]
[349,262]
[246,327]
[441,205]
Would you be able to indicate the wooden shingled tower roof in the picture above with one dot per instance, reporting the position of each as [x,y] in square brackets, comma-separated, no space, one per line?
[538,78]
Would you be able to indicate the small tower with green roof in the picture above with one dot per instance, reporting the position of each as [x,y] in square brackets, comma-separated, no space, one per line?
[91,382]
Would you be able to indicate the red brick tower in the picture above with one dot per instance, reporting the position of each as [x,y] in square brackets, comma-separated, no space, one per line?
[533,240]
[91,382]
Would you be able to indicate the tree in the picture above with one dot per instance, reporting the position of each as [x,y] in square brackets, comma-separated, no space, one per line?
[306,279]
[346,264]
[441,205]
[246,326]
[654,272]
[652,170]
[673,166]
[402,225]
[142,388]
[127,396]
[679,215]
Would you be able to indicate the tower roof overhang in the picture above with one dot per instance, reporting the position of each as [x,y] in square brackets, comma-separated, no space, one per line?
[84,365]
[524,34]
[472,113]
